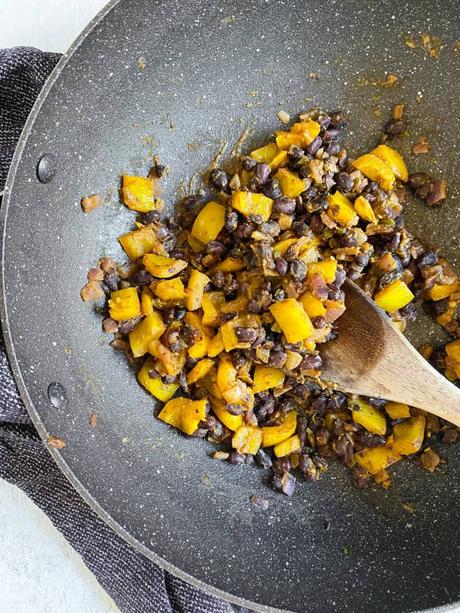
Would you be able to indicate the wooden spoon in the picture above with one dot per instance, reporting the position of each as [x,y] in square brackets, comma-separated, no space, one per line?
[372,358]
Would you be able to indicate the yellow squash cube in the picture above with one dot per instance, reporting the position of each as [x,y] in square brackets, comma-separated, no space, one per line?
[200,370]
[397,410]
[408,436]
[170,289]
[453,357]
[439,292]
[265,154]
[393,159]
[146,302]
[216,345]
[364,209]
[312,305]
[139,242]
[287,447]
[272,435]
[124,304]
[184,414]
[211,304]
[247,439]
[163,267]
[199,349]
[230,264]
[137,193]
[292,319]
[195,288]
[209,222]
[369,417]
[326,268]
[376,459]
[341,210]
[266,377]
[249,203]
[162,391]
[394,296]
[376,169]
[146,331]
[291,184]
[279,160]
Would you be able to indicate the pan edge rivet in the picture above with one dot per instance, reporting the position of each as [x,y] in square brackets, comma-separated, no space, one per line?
[57,395]
[46,168]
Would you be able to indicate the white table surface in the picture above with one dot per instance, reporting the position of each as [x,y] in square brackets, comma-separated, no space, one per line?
[40,572]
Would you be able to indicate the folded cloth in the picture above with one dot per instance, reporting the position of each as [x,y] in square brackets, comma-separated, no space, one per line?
[135,583]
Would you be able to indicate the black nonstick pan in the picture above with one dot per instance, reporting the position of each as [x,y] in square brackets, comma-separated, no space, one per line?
[179,79]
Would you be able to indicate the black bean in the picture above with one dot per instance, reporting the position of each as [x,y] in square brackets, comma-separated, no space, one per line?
[409,311]
[277,358]
[333,148]
[284,205]
[272,189]
[111,279]
[311,362]
[246,335]
[248,163]
[344,181]
[216,248]
[338,120]
[366,439]
[315,144]
[316,224]
[340,277]
[150,217]
[331,135]
[263,458]
[427,259]
[244,229]
[271,228]
[219,179]
[319,322]
[335,293]
[394,127]
[301,229]
[179,313]
[336,401]
[295,153]
[322,436]
[388,277]
[419,179]
[236,458]
[281,266]
[319,403]
[298,270]
[126,326]
[324,121]
[143,277]
[231,220]
[303,171]
[378,403]
[261,173]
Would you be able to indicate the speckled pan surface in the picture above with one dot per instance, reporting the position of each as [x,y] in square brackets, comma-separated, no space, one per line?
[178,78]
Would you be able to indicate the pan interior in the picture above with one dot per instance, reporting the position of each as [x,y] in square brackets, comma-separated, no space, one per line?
[179,80]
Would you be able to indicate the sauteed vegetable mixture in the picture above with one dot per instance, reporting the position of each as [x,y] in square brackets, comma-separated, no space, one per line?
[224,308]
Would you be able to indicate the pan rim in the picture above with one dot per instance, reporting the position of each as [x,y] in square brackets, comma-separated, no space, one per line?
[14,364]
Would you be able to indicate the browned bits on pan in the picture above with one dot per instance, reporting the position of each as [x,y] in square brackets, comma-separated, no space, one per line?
[92,291]
[93,420]
[56,442]
[430,459]
[421,146]
[89,203]
[259,502]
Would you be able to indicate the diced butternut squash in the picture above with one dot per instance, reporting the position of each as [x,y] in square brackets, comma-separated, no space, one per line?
[195,244]
[266,377]
[124,304]
[326,268]
[163,267]
[209,222]
[146,331]
[230,264]
[211,304]
[281,247]
[364,209]
[137,193]
[453,357]
[265,154]
[233,389]
[368,416]
[292,319]
[146,301]
[397,410]
[293,360]
[376,169]
[272,435]
[309,128]
[184,414]
[291,184]
[249,203]
[393,159]
[170,289]
[195,289]
[172,363]
[376,459]
[312,305]
[139,242]
[394,296]
[159,389]
[334,309]
[439,292]
[200,370]
[247,439]
[216,345]
[288,446]
[341,210]
[279,160]
[285,140]
[199,349]
[232,422]
[408,436]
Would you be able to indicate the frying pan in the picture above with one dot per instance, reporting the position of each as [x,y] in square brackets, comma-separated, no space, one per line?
[178,79]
